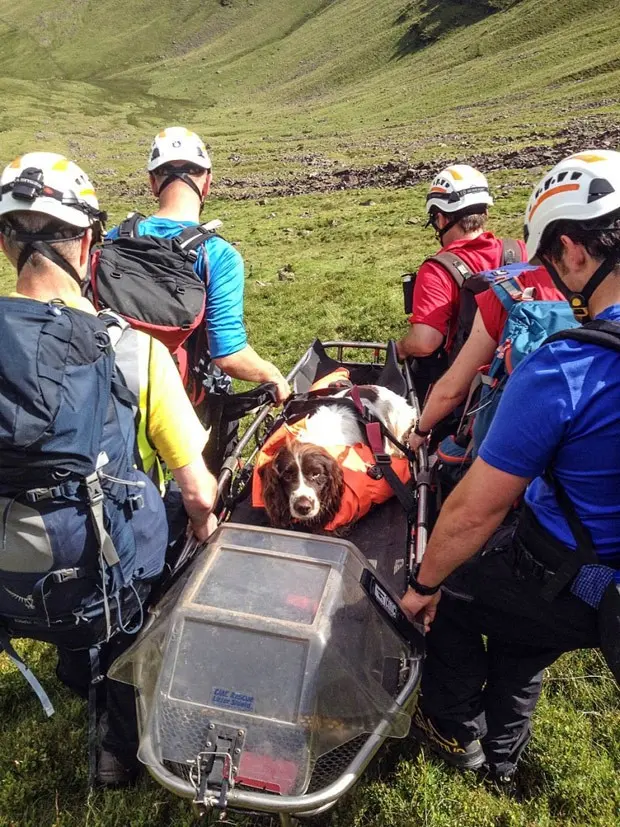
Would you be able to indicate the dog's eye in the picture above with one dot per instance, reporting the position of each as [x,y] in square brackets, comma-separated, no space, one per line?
[315,476]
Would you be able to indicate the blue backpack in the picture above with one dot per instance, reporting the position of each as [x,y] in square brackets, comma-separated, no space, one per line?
[528,325]
[80,524]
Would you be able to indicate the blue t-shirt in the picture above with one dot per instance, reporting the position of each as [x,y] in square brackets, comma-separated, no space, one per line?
[561,408]
[224,314]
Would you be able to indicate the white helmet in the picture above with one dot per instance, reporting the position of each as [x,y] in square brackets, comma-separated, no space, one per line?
[457,188]
[48,183]
[582,187]
[178,144]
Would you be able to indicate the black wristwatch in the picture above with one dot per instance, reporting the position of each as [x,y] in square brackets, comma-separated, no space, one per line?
[420,433]
[420,588]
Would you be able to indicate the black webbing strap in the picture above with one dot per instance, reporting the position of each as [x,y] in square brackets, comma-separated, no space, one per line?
[584,554]
[237,405]
[129,227]
[300,405]
[48,252]
[605,334]
[191,238]
[185,178]
[95,679]
[598,332]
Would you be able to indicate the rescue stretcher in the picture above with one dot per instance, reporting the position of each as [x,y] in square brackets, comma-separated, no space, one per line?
[277,663]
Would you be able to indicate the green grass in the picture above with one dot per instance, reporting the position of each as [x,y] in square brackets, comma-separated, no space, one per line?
[346,258]
[281,89]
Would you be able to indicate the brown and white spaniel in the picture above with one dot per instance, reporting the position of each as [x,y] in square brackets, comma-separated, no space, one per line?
[303,485]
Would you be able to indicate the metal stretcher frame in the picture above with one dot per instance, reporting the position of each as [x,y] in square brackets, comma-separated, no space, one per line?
[288,807]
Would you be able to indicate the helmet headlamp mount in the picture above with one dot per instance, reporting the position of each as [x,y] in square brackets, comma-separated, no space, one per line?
[29,185]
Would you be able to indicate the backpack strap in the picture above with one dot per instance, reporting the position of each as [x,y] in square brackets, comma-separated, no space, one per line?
[604,334]
[509,291]
[511,251]
[129,227]
[192,238]
[584,550]
[454,265]
[598,332]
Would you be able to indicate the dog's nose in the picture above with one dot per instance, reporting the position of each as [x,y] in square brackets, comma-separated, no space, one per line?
[303,505]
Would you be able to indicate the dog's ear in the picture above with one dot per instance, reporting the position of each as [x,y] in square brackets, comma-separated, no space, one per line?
[331,495]
[276,502]
[283,457]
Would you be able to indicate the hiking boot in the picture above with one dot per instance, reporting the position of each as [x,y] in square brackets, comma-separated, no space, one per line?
[112,772]
[465,756]
[501,780]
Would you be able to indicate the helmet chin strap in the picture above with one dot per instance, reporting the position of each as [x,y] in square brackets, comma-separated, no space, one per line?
[181,176]
[456,217]
[446,229]
[50,253]
[579,301]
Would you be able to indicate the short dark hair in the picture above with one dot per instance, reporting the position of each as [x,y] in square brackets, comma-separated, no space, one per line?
[473,223]
[600,237]
[35,223]
[469,223]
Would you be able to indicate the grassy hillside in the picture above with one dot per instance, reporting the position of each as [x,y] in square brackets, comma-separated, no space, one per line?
[301,98]
[349,79]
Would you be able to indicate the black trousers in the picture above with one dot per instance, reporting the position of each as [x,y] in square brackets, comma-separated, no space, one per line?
[115,701]
[488,690]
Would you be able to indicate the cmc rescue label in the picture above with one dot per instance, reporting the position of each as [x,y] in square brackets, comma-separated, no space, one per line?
[229,699]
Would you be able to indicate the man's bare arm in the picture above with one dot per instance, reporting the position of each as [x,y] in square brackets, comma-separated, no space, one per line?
[247,364]
[420,340]
[468,518]
[452,388]
[199,491]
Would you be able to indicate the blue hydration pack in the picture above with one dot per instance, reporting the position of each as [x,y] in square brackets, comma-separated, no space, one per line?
[80,524]
[528,325]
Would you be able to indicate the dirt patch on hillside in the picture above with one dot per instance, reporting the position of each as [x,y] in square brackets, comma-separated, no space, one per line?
[318,174]
[400,173]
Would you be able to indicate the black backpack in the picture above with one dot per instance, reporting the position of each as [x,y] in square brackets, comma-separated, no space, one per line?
[151,282]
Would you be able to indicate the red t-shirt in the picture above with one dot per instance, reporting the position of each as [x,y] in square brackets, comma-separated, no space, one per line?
[436,296]
[492,310]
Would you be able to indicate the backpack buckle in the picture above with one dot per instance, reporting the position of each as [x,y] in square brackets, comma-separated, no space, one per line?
[135,502]
[94,491]
[383,459]
[36,495]
[63,575]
